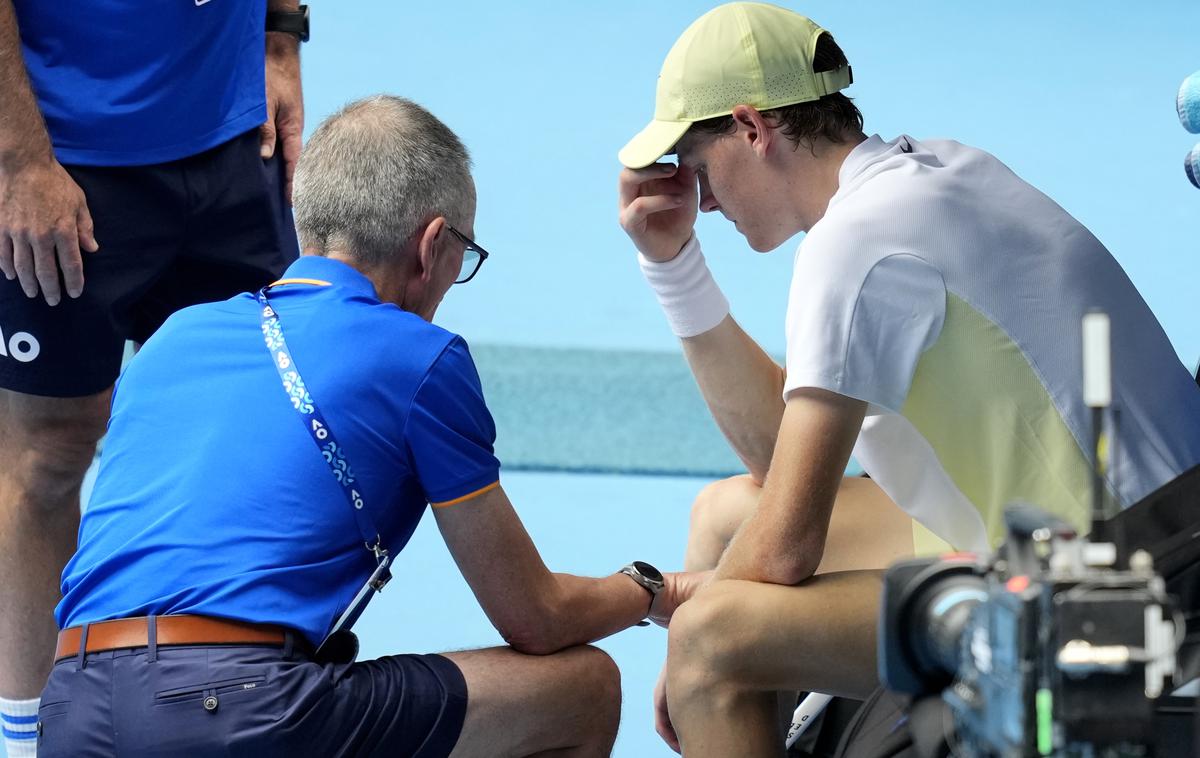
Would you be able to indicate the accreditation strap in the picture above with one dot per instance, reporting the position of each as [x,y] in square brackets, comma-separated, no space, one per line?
[331,451]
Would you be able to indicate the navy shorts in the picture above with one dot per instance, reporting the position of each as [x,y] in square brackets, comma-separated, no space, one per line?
[171,235]
[252,701]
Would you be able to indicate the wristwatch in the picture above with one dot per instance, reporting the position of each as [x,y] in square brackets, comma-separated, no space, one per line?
[292,22]
[646,575]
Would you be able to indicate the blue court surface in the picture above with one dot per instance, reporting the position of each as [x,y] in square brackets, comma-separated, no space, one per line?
[602,434]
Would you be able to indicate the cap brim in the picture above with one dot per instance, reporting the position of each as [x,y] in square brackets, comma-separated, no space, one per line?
[652,143]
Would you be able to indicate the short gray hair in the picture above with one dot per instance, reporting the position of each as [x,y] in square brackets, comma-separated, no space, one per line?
[373,173]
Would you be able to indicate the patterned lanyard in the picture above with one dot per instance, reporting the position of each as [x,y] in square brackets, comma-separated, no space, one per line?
[333,454]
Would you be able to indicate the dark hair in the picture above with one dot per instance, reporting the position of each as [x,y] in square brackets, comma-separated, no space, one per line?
[832,117]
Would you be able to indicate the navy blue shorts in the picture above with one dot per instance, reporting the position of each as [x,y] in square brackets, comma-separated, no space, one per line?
[171,235]
[252,701]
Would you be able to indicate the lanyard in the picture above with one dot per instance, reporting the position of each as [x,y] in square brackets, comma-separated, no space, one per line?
[333,454]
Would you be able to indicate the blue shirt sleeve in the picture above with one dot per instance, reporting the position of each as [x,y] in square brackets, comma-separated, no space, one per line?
[450,432]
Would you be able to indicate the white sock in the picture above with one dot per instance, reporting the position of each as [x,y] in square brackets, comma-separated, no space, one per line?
[19,720]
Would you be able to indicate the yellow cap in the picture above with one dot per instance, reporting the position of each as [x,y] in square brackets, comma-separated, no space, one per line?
[741,53]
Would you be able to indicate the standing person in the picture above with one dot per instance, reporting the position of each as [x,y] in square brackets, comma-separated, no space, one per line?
[247,489]
[146,152]
[933,328]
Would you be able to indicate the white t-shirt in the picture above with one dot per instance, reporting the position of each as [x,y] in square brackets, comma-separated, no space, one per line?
[947,293]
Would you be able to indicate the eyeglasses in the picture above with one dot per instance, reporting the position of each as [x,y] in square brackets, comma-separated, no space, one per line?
[473,257]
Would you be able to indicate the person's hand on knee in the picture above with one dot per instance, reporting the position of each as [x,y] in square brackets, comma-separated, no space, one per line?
[677,589]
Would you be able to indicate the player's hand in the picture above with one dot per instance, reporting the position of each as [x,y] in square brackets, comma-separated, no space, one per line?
[284,127]
[44,223]
[658,207]
[677,588]
[662,718]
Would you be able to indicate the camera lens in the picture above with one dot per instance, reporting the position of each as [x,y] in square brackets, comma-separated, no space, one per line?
[941,613]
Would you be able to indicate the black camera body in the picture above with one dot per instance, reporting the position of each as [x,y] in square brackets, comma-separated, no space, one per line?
[1046,649]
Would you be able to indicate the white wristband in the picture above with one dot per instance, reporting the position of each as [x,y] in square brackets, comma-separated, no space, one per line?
[686,290]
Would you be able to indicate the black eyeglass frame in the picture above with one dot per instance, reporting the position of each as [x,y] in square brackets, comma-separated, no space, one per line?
[472,245]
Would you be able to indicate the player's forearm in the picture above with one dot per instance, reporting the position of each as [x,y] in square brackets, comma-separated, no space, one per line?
[23,136]
[783,541]
[743,388]
[762,552]
[741,384]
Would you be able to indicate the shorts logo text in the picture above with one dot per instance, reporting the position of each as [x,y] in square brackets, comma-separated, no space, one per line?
[22,345]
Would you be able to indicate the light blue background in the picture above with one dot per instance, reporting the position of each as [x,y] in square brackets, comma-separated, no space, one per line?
[1077,97]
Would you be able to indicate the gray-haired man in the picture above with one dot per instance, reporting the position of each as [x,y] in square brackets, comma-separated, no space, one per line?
[218,549]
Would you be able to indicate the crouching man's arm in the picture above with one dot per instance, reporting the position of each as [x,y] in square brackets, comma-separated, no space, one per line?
[536,611]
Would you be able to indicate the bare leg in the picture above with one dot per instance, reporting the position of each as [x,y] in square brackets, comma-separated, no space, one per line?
[717,513]
[735,644]
[566,704]
[46,447]
[867,531]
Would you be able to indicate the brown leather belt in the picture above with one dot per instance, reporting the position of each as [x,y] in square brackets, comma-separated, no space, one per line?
[172,630]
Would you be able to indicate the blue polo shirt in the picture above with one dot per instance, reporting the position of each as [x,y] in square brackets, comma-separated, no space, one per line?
[124,83]
[212,498]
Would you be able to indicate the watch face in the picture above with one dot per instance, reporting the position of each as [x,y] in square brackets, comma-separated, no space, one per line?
[648,571]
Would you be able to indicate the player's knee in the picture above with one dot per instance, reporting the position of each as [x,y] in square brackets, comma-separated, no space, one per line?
[703,505]
[705,642]
[696,675]
[712,506]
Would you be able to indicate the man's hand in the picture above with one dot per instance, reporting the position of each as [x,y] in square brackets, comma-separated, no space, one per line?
[677,589]
[44,222]
[285,104]
[658,207]
[662,717]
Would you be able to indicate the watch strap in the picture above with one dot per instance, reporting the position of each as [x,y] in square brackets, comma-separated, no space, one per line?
[290,22]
